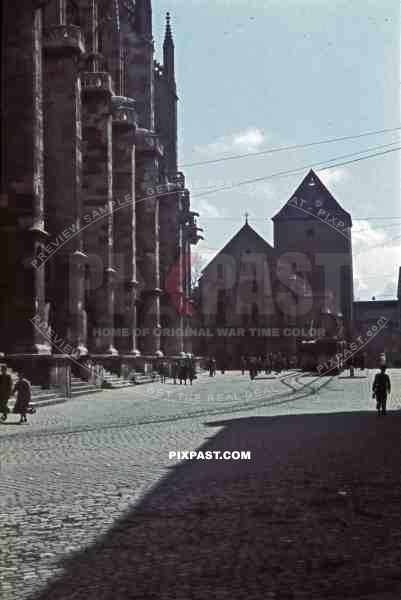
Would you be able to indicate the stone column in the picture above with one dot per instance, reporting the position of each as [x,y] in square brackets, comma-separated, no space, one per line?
[63,47]
[187,234]
[147,227]
[98,210]
[23,234]
[169,279]
[124,124]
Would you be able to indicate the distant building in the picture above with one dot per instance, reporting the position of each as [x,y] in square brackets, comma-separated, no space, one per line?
[379,321]
[255,298]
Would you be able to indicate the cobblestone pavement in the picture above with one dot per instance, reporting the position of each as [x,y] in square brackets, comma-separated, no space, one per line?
[91,506]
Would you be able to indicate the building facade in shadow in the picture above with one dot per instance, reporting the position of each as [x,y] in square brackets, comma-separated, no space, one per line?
[94,213]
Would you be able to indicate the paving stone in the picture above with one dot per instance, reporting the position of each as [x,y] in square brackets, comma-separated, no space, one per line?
[110,452]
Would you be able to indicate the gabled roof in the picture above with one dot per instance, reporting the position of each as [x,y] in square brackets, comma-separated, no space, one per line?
[315,196]
[242,238]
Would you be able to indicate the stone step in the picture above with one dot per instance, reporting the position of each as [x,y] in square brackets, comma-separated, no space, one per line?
[76,386]
[84,392]
[45,394]
[80,388]
[144,379]
[42,399]
[116,385]
[113,381]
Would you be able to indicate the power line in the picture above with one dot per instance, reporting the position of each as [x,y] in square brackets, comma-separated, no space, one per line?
[355,254]
[292,147]
[261,219]
[310,166]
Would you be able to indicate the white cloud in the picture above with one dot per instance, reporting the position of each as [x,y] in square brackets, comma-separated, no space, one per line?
[248,140]
[376,254]
[206,208]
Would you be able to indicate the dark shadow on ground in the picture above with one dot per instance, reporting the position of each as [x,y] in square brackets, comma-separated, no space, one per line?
[314,514]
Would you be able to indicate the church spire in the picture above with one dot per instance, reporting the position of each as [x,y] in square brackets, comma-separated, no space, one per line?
[169,34]
[168,51]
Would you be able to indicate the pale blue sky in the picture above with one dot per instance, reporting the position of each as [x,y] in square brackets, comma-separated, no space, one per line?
[254,74]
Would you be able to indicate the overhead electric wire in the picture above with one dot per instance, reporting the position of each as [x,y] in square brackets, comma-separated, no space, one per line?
[261,219]
[292,147]
[310,166]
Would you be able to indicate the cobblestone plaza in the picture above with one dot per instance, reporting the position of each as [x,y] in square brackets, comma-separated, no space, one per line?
[92,506]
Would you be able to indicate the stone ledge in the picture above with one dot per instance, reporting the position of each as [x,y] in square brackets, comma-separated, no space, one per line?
[123,111]
[148,141]
[98,82]
[63,38]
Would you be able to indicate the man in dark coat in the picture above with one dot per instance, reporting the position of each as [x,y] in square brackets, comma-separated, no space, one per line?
[191,370]
[183,372]
[163,371]
[253,368]
[23,390]
[381,388]
[6,385]
[174,371]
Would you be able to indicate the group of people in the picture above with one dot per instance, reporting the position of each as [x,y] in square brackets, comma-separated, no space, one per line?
[272,362]
[22,390]
[182,370]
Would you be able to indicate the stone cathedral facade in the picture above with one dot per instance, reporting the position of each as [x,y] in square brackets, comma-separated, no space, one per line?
[94,213]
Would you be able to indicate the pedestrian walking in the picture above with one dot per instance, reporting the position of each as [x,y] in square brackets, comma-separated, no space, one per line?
[278,364]
[381,389]
[191,371]
[163,372]
[183,373]
[6,385]
[243,365]
[253,368]
[23,390]
[174,371]
[214,366]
